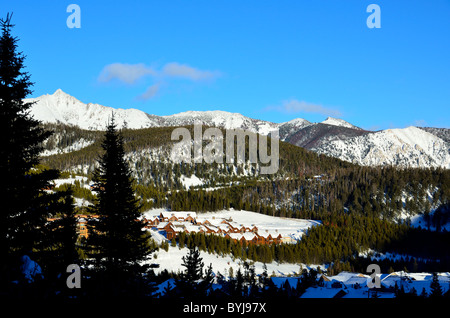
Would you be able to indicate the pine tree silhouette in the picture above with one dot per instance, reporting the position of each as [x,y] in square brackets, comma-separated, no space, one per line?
[62,236]
[26,203]
[435,287]
[193,283]
[117,240]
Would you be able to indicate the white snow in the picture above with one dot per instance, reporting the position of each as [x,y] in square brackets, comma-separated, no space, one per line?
[419,220]
[352,285]
[191,181]
[407,147]
[291,228]
[64,108]
[172,261]
[82,179]
[79,144]
[300,122]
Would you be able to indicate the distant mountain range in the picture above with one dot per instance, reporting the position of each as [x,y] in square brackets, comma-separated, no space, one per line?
[407,147]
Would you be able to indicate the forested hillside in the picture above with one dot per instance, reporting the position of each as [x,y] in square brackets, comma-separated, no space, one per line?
[306,184]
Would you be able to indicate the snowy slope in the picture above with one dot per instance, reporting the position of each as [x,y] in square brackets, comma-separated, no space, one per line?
[289,128]
[172,259]
[408,147]
[218,118]
[64,108]
[293,228]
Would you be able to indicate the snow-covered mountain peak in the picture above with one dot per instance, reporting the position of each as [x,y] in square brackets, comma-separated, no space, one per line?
[62,97]
[59,92]
[217,116]
[61,107]
[297,122]
[338,122]
[220,118]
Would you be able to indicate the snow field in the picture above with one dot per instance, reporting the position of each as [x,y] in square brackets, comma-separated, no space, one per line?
[172,260]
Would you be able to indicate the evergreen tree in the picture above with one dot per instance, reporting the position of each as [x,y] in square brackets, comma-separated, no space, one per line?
[168,291]
[206,283]
[435,287]
[117,240]
[62,238]
[192,282]
[423,294]
[250,280]
[26,203]
[238,287]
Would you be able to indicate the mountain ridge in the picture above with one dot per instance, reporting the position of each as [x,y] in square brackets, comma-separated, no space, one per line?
[406,147]
[47,110]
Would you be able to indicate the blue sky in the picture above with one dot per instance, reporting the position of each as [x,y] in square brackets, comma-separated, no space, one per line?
[272,60]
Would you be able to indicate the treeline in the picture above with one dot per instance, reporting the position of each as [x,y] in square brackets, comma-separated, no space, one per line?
[373,192]
[381,192]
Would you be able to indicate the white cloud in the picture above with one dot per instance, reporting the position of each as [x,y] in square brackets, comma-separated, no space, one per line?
[150,92]
[295,106]
[175,69]
[127,73]
[131,73]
